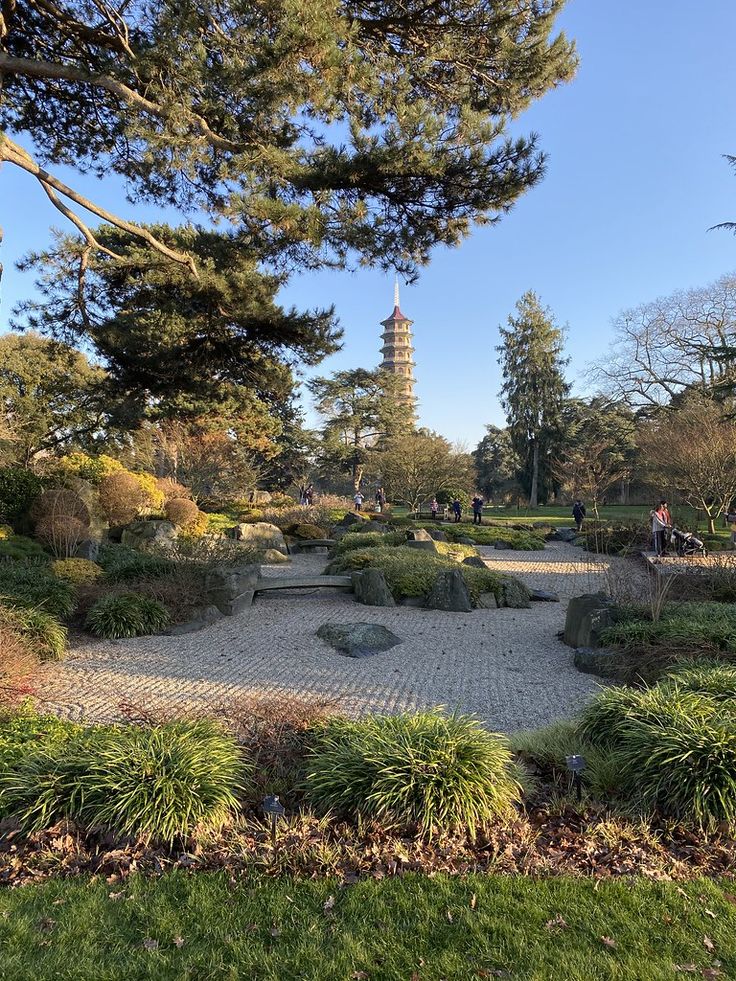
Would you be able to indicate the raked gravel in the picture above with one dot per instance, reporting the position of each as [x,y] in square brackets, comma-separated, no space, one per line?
[506,666]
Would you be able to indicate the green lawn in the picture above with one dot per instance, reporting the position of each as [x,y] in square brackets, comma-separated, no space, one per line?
[204,927]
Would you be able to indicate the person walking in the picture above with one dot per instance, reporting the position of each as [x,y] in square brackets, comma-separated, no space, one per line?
[309,495]
[578,513]
[477,504]
[358,500]
[457,510]
[661,523]
[434,508]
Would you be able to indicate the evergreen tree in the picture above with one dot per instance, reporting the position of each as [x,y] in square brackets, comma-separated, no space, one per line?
[496,464]
[534,387]
[320,130]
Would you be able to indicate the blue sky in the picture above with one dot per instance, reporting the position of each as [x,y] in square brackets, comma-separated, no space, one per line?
[635,178]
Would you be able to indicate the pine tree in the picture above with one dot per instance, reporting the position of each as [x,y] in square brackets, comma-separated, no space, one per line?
[534,387]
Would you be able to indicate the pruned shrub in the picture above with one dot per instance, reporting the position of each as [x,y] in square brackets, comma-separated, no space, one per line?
[6,532]
[46,636]
[368,539]
[153,497]
[76,571]
[126,615]
[154,783]
[182,512]
[306,531]
[35,587]
[121,497]
[171,489]
[427,769]
[19,488]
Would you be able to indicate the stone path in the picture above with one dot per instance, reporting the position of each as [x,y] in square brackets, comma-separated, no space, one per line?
[507,666]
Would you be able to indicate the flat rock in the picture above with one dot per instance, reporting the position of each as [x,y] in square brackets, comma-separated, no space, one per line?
[437,535]
[602,662]
[422,546]
[543,596]
[412,601]
[419,535]
[487,601]
[358,639]
[563,535]
[201,619]
[371,589]
[272,556]
[141,534]
[465,541]
[353,518]
[476,561]
[449,593]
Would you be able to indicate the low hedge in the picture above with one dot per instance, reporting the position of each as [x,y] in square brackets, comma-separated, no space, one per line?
[520,541]
[411,572]
[682,629]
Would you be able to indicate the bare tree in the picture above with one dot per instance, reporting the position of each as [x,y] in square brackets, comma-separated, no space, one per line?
[590,469]
[416,465]
[672,344]
[693,448]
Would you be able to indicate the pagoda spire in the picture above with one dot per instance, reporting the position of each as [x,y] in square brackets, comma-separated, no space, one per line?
[398,350]
[396,292]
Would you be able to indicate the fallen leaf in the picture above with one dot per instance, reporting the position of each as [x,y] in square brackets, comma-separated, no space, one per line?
[274,931]
[448,914]
[710,913]
[359,976]
[712,972]
[558,922]
[473,901]
[708,943]
[687,968]
[179,942]
[329,904]
[115,895]
[46,925]
[609,942]
[150,944]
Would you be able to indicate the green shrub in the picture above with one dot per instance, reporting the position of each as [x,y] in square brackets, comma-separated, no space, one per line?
[368,539]
[19,547]
[687,628]
[23,732]
[455,551]
[18,490]
[158,782]
[76,571]
[520,541]
[428,769]
[126,615]
[412,572]
[47,637]
[34,586]
[124,566]
[709,678]
[306,531]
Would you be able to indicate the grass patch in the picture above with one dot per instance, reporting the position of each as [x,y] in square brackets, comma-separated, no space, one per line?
[694,629]
[34,586]
[208,926]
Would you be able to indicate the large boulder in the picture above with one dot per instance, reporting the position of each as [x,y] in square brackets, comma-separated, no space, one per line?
[514,594]
[354,518]
[259,536]
[562,535]
[371,589]
[358,639]
[419,535]
[449,593]
[475,561]
[437,535]
[231,588]
[487,601]
[272,556]
[543,596]
[602,662]
[422,546]
[201,618]
[143,534]
[586,617]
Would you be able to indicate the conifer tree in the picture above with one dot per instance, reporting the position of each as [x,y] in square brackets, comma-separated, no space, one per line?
[534,387]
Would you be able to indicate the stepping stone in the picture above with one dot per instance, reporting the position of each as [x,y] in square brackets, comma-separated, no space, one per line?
[358,639]
[543,596]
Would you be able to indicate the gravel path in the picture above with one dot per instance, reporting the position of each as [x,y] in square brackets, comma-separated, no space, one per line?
[507,666]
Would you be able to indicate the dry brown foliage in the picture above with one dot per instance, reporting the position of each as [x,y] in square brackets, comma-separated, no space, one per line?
[60,502]
[121,498]
[18,665]
[171,488]
[181,512]
[61,533]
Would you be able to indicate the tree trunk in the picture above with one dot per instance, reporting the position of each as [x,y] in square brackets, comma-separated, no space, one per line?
[534,493]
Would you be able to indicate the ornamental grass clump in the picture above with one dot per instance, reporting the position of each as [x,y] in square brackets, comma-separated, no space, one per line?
[710,678]
[159,782]
[429,770]
[126,615]
[33,586]
[46,637]
[693,629]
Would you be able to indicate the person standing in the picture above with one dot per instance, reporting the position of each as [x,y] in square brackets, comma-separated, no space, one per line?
[661,523]
[477,505]
[434,508]
[358,500]
[578,513]
[309,495]
[457,510]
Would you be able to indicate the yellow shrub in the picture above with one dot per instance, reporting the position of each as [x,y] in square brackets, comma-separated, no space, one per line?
[155,498]
[5,532]
[91,468]
[76,571]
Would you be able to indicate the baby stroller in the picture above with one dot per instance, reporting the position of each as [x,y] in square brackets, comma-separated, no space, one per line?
[686,543]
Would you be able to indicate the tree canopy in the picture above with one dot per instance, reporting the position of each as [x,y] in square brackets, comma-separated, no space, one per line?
[361,127]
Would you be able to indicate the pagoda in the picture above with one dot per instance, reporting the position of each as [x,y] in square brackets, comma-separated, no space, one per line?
[398,350]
